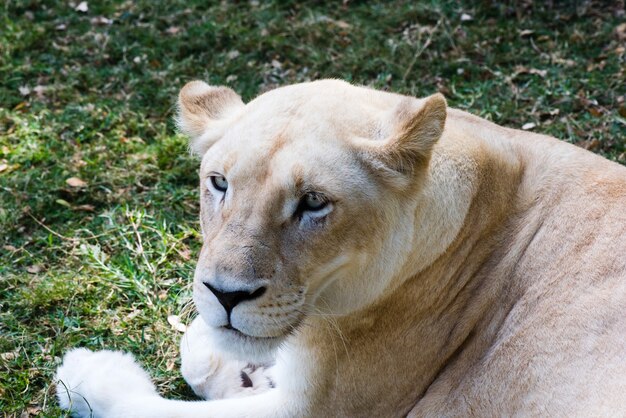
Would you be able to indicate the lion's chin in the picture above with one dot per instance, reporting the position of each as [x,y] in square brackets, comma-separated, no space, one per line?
[259,350]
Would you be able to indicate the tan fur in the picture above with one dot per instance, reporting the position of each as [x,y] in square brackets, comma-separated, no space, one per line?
[494,323]
[463,268]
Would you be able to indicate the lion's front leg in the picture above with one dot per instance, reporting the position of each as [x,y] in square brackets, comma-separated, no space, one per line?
[112,375]
[110,384]
[214,375]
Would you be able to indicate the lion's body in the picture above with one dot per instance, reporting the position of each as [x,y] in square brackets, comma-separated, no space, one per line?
[495,285]
[525,313]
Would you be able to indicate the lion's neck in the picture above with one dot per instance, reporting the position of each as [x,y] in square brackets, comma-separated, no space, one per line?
[471,189]
[446,299]
[468,183]
[456,279]
[448,295]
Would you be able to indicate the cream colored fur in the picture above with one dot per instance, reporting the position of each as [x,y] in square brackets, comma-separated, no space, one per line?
[471,270]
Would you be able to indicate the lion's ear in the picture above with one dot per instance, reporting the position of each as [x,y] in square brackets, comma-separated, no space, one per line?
[204,113]
[410,134]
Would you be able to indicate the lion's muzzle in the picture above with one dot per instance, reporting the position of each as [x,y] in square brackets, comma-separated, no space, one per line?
[232,298]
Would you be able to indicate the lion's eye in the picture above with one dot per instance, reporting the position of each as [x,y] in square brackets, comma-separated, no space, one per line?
[219,183]
[313,207]
[313,202]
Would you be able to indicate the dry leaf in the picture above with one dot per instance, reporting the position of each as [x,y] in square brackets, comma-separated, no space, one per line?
[11,355]
[33,410]
[100,21]
[528,126]
[3,167]
[140,156]
[40,90]
[590,145]
[595,112]
[85,208]
[82,7]
[132,315]
[9,248]
[34,269]
[185,254]
[596,66]
[9,168]
[76,182]
[526,32]
[520,69]
[233,54]
[566,62]
[78,162]
[172,30]
[174,321]
[541,73]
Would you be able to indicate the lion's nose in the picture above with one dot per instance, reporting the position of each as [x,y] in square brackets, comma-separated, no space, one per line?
[231,299]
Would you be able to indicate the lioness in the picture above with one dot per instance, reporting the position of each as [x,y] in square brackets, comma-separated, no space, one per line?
[368,254]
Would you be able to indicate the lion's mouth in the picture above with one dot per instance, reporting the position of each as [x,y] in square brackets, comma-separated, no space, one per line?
[235,332]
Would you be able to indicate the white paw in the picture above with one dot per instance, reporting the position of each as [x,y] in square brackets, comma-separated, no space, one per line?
[257,378]
[215,375]
[91,384]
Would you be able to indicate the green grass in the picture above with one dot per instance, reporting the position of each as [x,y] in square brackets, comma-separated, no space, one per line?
[105,264]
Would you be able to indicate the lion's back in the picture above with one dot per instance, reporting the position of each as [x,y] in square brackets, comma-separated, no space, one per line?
[560,349]
[564,341]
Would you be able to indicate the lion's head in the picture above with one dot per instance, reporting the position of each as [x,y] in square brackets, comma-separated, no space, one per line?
[303,199]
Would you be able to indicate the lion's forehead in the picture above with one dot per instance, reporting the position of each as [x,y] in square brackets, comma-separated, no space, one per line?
[286,159]
[301,136]
[327,109]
